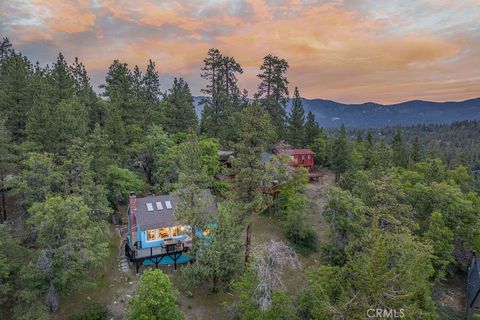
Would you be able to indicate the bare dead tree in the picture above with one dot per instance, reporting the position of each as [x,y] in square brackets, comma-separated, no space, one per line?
[52,298]
[271,259]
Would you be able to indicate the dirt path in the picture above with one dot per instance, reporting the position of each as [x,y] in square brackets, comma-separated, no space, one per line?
[316,194]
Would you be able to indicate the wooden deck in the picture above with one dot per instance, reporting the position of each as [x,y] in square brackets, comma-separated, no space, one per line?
[172,249]
[158,251]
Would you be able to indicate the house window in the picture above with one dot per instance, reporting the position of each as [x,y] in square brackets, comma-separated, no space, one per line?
[186,229]
[303,157]
[206,231]
[308,157]
[163,233]
[151,235]
[175,231]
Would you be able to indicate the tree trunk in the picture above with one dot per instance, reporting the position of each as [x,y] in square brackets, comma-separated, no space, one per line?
[215,284]
[248,242]
[4,208]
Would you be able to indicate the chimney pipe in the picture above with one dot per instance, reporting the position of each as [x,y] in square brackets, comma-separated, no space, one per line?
[132,201]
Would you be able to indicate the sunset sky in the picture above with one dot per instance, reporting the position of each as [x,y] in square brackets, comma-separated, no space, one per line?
[348,51]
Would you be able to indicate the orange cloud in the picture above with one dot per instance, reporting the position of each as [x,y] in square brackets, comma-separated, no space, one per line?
[62,16]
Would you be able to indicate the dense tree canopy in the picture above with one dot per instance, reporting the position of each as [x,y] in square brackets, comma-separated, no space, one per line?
[401,217]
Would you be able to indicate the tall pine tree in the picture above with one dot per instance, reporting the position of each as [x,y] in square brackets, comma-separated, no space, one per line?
[250,173]
[340,154]
[312,129]
[273,90]
[179,112]
[223,94]
[296,121]
[400,154]
[16,93]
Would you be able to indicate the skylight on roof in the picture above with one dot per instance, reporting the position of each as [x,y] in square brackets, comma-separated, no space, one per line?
[168,204]
[159,205]
[149,206]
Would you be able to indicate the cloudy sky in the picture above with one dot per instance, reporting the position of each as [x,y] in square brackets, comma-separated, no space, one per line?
[345,50]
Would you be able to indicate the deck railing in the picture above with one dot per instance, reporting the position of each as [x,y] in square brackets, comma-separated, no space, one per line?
[171,246]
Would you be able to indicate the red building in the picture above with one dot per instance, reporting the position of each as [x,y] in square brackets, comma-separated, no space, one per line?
[302,157]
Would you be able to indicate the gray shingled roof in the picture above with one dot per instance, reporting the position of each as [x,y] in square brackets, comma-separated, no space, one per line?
[162,218]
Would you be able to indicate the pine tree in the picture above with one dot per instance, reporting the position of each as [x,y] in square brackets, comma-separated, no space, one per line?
[6,49]
[61,81]
[7,161]
[441,238]
[151,83]
[211,73]
[370,157]
[296,120]
[39,178]
[312,130]
[416,155]
[340,154]
[150,155]
[384,156]
[382,269]
[218,255]
[11,258]
[119,89]
[179,112]
[273,90]
[16,93]
[192,180]
[250,172]
[53,127]
[116,131]
[222,91]
[400,154]
[99,147]
[214,111]
[229,68]
[79,180]
[84,91]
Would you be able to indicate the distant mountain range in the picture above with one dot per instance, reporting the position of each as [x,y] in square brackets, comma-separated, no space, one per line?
[331,114]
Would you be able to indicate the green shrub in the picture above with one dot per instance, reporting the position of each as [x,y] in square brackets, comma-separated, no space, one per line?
[94,311]
[301,235]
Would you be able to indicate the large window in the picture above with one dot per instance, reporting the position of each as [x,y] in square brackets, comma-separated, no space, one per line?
[151,235]
[163,233]
[175,231]
[158,234]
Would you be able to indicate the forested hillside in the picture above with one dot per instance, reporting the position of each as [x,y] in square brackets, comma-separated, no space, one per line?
[456,144]
[332,114]
[402,215]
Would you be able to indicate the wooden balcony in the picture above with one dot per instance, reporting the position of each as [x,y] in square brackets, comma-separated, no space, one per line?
[170,248]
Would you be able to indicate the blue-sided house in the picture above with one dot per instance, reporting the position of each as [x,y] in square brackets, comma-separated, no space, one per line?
[154,236]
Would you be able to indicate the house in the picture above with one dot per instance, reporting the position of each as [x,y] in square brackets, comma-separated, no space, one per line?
[301,157]
[154,235]
[473,288]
